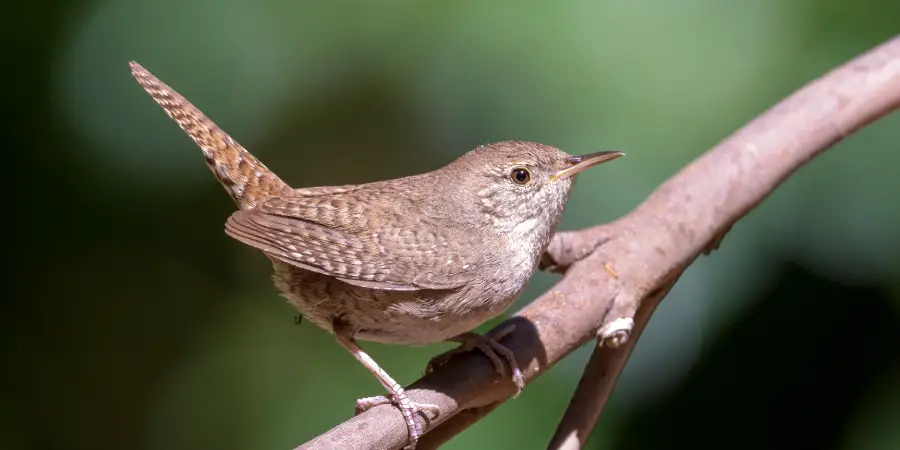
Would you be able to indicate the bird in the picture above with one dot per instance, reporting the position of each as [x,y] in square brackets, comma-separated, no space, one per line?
[412,261]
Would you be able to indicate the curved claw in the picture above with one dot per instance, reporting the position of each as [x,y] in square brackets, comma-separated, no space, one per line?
[490,346]
[407,407]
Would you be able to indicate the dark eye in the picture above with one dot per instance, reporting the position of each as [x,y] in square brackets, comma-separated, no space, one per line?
[520,175]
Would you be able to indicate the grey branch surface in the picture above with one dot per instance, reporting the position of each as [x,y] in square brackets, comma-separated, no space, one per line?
[623,269]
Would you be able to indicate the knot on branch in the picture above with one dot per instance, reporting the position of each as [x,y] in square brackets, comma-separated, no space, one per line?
[615,333]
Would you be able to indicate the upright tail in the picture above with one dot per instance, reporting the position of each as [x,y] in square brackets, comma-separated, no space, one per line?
[246,179]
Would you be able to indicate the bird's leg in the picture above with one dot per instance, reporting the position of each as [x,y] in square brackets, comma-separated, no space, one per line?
[490,346]
[396,394]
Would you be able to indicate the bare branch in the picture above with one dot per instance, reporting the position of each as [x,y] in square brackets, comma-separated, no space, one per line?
[640,257]
[753,161]
[597,382]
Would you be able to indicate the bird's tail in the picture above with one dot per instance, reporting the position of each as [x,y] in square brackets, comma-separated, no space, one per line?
[247,180]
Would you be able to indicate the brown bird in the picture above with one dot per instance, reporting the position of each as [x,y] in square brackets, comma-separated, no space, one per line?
[414,260]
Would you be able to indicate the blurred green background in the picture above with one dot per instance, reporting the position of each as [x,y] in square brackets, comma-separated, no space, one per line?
[133,322]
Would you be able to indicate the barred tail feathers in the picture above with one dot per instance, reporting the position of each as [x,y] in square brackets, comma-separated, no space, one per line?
[245,178]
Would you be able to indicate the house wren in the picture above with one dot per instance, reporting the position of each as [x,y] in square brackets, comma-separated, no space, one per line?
[415,260]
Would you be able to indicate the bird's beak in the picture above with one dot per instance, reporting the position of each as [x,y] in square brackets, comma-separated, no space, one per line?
[580,163]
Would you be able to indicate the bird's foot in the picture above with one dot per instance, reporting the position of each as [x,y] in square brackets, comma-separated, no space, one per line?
[407,407]
[490,346]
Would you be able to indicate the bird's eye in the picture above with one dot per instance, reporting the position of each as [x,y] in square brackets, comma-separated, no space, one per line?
[520,175]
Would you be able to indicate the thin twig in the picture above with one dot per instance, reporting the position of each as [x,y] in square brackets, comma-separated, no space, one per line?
[597,382]
[641,256]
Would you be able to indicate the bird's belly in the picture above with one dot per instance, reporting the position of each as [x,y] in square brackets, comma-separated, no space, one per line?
[392,317]
[409,330]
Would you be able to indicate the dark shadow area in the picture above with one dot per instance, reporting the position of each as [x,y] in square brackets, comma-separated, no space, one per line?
[523,341]
[786,374]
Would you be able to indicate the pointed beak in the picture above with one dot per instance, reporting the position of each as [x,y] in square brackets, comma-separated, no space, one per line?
[583,162]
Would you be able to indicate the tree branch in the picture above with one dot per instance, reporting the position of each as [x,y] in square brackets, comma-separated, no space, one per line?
[768,149]
[641,256]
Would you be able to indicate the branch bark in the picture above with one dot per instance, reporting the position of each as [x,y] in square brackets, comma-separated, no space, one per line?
[620,271]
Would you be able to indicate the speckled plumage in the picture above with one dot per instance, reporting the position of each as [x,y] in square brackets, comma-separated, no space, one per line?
[393,261]
[414,260]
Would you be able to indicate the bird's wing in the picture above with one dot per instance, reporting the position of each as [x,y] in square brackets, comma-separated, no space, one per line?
[357,242]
